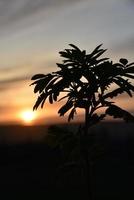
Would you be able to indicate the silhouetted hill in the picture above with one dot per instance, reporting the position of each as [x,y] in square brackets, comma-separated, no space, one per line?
[21,134]
[29,166]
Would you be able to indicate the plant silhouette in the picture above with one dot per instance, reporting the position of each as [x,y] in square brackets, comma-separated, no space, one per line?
[88,82]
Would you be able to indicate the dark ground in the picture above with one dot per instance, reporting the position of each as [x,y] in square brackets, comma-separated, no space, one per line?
[31,169]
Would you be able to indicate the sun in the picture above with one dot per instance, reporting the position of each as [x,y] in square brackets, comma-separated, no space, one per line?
[28,116]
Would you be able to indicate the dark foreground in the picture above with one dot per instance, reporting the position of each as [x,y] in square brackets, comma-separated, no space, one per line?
[33,169]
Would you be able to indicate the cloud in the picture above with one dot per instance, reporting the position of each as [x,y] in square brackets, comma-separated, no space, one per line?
[22,12]
[13,82]
[126,45]
[124,48]
[7,108]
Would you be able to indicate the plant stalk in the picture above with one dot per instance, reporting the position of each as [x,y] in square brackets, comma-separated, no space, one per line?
[86,156]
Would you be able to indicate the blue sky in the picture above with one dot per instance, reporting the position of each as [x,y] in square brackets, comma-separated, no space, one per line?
[33,32]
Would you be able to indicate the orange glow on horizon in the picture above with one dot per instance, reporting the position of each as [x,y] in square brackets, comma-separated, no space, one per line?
[23,114]
[28,116]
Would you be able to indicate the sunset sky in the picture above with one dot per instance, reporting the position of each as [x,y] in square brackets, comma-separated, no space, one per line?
[32,32]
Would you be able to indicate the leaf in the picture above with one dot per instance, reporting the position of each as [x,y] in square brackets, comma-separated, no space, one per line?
[71,115]
[38,76]
[129,76]
[75,47]
[42,83]
[128,85]
[65,108]
[40,99]
[130,64]
[60,65]
[39,86]
[81,103]
[123,61]
[114,93]
[42,103]
[99,54]
[83,52]
[64,54]
[60,85]
[96,50]
[101,60]
[117,112]
[63,98]
[129,70]
[118,65]
[122,83]
[50,99]
[95,118]
[55,95]
[51,83]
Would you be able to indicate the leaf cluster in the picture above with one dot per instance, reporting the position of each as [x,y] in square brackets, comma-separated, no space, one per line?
[85,81]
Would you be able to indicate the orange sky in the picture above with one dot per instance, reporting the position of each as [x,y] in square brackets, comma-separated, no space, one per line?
[32,34]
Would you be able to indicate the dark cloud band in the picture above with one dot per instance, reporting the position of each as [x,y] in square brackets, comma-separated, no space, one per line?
[16,11]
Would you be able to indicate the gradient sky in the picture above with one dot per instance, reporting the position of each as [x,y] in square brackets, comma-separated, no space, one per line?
[33,32]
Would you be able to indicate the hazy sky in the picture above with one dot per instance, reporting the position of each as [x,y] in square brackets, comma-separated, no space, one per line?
[32,32]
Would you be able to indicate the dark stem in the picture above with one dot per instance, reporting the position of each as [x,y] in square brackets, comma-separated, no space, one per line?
[86,121]
[86,156]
